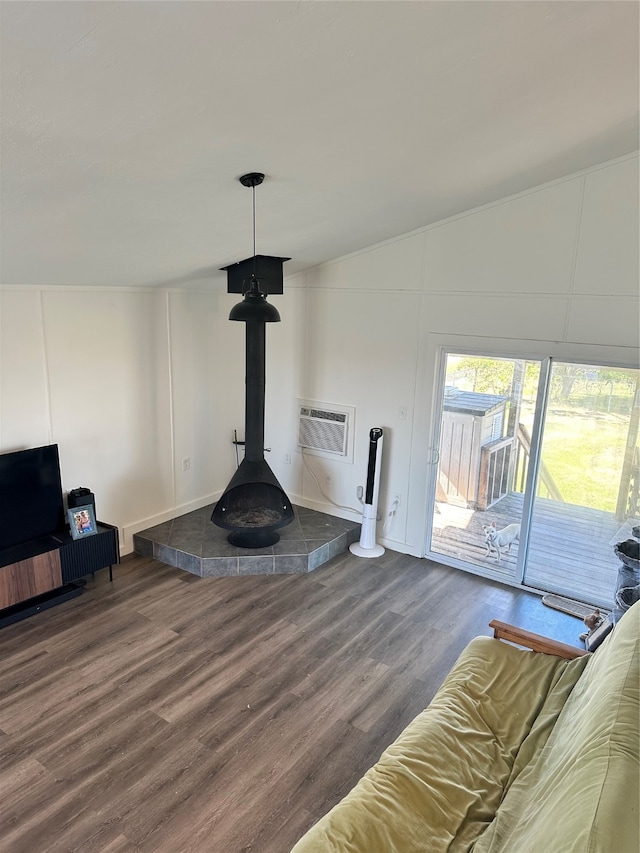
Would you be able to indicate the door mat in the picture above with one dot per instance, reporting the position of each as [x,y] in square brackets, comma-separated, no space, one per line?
[568,605]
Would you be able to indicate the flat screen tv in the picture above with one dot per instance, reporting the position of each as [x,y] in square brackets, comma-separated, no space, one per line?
[31,504]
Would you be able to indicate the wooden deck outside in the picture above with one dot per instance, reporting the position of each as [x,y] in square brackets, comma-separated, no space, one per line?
[570,547]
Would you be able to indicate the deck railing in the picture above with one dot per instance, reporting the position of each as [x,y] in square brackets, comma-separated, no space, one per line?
[504,464]
[629,492]
[547,486]
[494,480]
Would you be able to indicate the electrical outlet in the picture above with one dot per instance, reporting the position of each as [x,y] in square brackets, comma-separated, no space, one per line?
[287,459]
[186,463]
[396,498]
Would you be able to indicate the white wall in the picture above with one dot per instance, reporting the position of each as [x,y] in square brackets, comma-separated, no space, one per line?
[553,271]
[130,381]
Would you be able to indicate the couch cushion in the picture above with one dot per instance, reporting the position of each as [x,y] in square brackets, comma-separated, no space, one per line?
[579,792]
[438,785]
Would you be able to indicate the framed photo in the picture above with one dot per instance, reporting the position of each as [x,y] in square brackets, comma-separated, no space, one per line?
[82,520]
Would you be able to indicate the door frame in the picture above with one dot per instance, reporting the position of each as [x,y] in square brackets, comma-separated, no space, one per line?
[536,441]
[435,351]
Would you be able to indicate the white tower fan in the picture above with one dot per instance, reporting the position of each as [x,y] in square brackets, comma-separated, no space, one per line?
[367,546]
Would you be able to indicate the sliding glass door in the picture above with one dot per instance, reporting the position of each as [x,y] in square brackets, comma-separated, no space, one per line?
[486,424]
[586,492]
[537,474]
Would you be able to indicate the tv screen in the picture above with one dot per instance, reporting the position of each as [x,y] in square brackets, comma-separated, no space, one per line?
[31,502]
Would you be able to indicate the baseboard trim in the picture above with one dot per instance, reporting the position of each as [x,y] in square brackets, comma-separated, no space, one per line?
[323,506]
[128,531]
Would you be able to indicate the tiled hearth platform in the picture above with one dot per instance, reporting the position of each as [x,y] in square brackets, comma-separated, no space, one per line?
[193,543]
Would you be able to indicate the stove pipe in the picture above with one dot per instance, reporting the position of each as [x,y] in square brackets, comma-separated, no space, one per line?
[254,503]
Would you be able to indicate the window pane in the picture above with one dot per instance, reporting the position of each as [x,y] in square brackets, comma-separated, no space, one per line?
[586,496]
[487,418]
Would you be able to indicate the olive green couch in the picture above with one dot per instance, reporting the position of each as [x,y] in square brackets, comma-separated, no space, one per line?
[519,752]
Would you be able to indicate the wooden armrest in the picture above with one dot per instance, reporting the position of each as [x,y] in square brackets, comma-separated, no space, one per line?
[535,642]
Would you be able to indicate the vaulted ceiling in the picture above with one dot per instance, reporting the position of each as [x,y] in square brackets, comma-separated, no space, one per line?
[125,125]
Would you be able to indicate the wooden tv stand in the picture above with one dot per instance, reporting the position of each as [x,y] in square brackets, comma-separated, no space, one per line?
[38,574]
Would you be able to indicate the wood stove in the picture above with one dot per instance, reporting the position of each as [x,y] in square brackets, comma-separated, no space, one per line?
[254,504]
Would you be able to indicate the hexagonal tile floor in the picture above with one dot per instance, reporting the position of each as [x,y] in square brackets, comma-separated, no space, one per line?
[193,543]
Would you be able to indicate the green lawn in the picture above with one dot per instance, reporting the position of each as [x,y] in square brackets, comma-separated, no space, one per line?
[587,420]
[584,452]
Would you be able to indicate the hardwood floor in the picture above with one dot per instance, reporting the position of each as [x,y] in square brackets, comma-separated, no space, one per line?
[176,714]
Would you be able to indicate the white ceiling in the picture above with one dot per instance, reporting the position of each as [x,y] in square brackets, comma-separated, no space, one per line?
[125,125]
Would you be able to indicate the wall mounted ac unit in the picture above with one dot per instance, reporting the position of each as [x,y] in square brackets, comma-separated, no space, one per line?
[325,429]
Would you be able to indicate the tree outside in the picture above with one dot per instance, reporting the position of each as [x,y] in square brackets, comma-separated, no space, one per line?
[588,429]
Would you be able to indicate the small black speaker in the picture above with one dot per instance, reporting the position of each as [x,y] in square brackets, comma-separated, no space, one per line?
[81,497]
